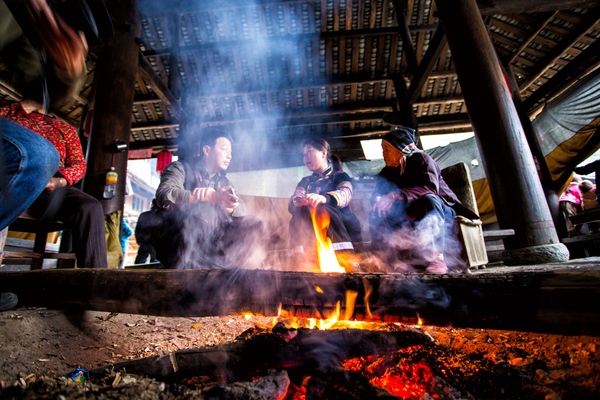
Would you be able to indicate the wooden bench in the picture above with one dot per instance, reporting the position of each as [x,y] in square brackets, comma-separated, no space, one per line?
[36,257]
[586,216]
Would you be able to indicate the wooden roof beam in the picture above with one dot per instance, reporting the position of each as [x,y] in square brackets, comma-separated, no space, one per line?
[531,36]
[153,8]
[301,84]
[303,37]
[590,21]
[532,6]
[160,88]
[146,144]
[436,46]
[407,44]
[582,65]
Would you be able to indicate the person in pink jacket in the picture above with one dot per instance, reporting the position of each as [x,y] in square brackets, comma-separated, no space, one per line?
[570,203]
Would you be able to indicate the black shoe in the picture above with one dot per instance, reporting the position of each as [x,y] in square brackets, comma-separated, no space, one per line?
[8,301]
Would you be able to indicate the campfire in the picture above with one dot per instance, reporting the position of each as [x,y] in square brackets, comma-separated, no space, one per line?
[333,335]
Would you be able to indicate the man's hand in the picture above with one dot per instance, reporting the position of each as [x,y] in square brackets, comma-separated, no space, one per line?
[384,204]
[226,199]
[203,194]
[311,200]
[66,47]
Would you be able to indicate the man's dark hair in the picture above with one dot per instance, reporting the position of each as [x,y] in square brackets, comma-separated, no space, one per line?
[210,135]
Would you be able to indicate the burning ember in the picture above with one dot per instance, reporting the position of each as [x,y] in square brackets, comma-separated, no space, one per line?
[393,373]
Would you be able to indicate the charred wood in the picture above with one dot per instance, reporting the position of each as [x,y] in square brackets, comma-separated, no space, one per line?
[247,359]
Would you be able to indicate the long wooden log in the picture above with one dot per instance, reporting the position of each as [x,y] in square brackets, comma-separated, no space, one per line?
[552,301]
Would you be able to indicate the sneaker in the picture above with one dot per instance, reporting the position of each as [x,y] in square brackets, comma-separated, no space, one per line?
[437,266]
[8,301]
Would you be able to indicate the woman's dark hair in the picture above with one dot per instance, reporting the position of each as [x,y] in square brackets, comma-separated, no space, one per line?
[322,144]
[319,144]
[336,163]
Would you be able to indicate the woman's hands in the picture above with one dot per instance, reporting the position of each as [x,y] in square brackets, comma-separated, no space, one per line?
[224,197]
[55,183]
[310,200]
[383,204]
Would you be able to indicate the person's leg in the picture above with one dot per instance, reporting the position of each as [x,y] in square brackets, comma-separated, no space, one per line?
[27,162]
[436,219]
[142,254]
[83,213]
[241,243]
[381,228]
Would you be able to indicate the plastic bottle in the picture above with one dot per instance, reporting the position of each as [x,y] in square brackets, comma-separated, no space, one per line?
[111,184]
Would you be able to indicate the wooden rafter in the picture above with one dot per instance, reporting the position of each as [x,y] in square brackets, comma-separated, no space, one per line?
[586,62]
[160,88]
[436,46]
[574,36]
[533,34]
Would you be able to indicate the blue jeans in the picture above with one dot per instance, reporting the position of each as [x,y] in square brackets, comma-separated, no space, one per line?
[27,162]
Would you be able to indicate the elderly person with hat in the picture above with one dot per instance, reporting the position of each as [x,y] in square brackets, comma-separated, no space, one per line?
[413,207]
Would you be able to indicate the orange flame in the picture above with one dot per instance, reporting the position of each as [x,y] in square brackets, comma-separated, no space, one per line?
[327,260]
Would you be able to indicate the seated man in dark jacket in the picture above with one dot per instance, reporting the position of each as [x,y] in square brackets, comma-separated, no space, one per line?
[413,208]
[146,226]
[203,222]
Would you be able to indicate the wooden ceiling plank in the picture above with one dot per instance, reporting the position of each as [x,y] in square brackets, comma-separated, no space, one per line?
[329,57]
[436,46]
[336,15]
[342,56]
[323,15]
[379,56]
[385,11]
[368,56]
[568,41]
[348,15]
[187,71]
[361,12]
[506,26]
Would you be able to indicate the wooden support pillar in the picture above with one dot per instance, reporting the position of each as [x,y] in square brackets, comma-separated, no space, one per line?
[115,89]
[550,191]
[514,183]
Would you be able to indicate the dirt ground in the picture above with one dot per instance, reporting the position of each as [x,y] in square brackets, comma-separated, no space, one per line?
[40,344]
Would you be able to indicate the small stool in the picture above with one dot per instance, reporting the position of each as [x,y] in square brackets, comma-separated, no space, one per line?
[41,229]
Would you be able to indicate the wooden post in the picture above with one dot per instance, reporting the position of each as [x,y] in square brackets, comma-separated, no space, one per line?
[514,183]
[115,89]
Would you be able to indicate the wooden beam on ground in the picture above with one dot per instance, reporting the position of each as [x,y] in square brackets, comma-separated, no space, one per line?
[561,301]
